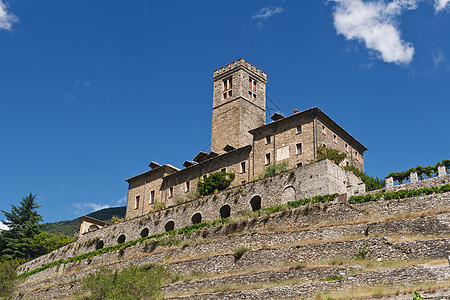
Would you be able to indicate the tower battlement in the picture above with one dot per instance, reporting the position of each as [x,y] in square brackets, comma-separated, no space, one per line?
[240,62]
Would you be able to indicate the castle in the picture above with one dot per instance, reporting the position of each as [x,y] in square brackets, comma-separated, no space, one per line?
[242,142]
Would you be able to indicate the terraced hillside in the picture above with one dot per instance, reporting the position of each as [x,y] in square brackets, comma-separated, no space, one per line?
[377,249]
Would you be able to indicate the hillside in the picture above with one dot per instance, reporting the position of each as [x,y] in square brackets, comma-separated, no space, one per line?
[71,227]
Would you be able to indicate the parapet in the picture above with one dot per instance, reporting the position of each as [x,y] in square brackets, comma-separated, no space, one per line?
[240,63]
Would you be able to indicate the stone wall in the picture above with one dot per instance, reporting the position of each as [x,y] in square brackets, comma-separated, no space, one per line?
[319,178]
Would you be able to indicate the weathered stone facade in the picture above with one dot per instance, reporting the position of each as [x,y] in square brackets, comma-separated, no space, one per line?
[242,143]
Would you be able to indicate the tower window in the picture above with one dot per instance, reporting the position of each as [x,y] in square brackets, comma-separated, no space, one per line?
[268,139]
[136,203]
[152,197]
[298,129]
[267,162]
[227,86]
[298,148]
[252,89]
[187,186]
[334,138]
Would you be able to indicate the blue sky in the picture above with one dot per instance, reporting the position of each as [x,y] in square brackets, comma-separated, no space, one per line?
[92,91]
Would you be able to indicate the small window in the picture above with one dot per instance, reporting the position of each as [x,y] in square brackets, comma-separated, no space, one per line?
[323,129]
[268,159]
[171,192]
[334,138]
[187,186]
[298,148]
[252,88]
[227,85]
[356,155]
[268,139]
[298,129]
[243,167]
[223,170]
[152,197]
[299,164]
[346,147]
[136,203]
[204,177]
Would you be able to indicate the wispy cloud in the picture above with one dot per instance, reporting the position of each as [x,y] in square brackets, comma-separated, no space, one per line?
[438,58]
[440,4]
[374,23]
[3,226]
[264,13]
[6,19]
[122,201]
[83,208]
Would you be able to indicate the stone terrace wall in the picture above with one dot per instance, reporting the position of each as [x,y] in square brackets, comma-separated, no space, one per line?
[319,178]
[435,181]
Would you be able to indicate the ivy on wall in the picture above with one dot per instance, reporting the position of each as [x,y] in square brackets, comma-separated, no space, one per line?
[422,172]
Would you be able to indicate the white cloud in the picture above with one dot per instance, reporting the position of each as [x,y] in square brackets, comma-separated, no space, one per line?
[438,58]
[373,22]
[83,208]
[265,13]
[6,19]
[3,226]
[440,4]
[122,201]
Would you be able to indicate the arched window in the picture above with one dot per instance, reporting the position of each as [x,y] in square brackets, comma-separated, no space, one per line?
[197,218]
[225,211]
[256,203]
[144,232]
[121,239]
[100,244]
[169,226]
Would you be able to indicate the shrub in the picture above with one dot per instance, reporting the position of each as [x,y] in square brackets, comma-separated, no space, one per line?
[363,253]
[216,181]
[417,296]
[238,252]
[330,153]
[275,168]
[131,283]
[7,276]
[333,277]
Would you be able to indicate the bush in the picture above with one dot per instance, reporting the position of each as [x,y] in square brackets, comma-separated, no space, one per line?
[275,168]
[333,277]
[7,276]
[363,253]
[330,153]
[130,283]
[216,181]
[238,252]
[372,183]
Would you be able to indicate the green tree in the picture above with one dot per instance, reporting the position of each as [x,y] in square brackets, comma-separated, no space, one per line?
[131,283]
[331,154]
[216,181]
[25,239]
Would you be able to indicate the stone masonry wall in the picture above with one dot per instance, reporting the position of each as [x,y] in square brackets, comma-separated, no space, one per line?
[319,178]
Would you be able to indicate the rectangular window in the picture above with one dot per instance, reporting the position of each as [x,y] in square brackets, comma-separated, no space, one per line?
[252,88]
[323,129]
[298,129]
[187,186]
[346,147]
[299,165]
[298,148]
[334,138]
[227,85]
[267,162]
[152,197]
[171,192]
[136,203]
[356,155]
[243,167]
[268,138]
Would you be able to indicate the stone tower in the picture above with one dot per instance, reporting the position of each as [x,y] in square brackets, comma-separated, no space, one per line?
[239,104]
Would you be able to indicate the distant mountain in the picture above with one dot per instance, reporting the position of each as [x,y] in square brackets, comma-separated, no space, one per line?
[72,227]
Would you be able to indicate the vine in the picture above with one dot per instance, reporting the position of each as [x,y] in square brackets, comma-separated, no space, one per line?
[422,172]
